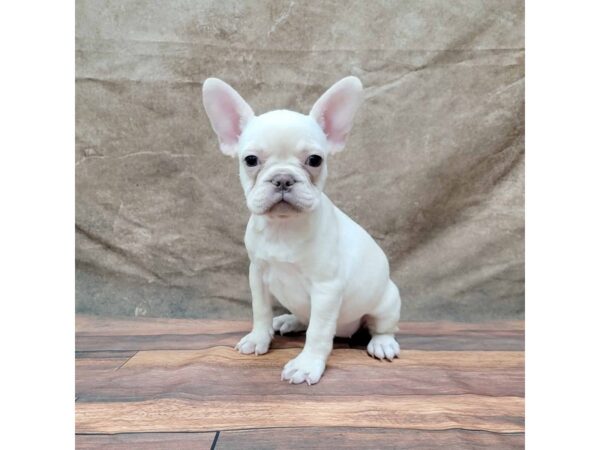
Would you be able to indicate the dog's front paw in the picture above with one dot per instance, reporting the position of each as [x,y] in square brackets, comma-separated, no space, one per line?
[383,346]
[255,342]
[303,368]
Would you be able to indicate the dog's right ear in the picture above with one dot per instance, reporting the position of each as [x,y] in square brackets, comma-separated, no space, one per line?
[227,111]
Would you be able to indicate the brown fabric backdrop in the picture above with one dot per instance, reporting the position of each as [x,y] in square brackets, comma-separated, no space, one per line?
[434,167]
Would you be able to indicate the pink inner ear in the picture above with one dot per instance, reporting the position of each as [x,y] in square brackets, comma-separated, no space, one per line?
[332,122]
[337,117]
[227,120]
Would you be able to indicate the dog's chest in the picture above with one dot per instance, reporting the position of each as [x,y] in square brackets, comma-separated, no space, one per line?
[291,288]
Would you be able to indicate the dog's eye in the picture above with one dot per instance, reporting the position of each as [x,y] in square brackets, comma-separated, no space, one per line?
[314,160]
[251,160]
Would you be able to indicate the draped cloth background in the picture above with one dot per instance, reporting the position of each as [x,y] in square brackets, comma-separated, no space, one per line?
[434,168]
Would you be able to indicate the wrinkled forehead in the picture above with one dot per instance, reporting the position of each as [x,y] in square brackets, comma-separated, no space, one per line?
[282,133]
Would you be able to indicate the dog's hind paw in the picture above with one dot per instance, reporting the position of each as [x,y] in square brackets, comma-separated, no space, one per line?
[383,346]
[255,342]
[287,323]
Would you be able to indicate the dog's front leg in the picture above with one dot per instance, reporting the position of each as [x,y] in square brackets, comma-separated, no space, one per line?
[259,339]
[309,365]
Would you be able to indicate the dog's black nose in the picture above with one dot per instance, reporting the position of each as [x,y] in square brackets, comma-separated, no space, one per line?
[283,182]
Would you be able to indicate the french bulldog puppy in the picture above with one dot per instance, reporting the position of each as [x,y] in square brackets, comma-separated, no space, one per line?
[304,251]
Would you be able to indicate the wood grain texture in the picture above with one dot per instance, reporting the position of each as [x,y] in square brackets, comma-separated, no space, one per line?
[118,326]
[119,334]
[146,441]
[177,342]
[98,364]
[104,354]
[213,382]
[338,438]
[169,383]
[93,366]
[435,412]
[339,358]
[468,341]
[221,371]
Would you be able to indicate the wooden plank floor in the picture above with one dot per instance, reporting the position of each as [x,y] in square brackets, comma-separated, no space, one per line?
[178,384]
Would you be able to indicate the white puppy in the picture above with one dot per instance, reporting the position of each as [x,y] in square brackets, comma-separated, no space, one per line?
[304,251]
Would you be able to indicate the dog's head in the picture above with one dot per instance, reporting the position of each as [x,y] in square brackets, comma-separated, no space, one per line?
[282,154]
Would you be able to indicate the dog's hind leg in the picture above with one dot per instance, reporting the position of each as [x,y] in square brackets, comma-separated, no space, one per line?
[383,323]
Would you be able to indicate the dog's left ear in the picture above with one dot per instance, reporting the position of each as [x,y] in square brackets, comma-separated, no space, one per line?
[335,109]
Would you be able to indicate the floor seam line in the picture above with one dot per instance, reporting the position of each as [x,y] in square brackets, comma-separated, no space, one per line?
[214,443]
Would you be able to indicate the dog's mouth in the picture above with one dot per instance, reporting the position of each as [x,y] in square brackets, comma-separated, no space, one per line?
[283,208]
